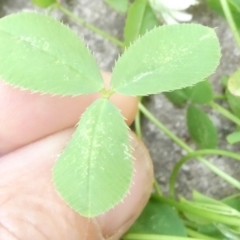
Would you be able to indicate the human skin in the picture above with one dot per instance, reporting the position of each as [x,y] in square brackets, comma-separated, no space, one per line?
[34,129]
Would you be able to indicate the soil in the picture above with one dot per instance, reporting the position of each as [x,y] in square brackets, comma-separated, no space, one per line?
[164,153]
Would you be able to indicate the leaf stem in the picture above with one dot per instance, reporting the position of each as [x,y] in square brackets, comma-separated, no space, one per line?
[230,21]
[192,233]
[183,145]
[197,154]
[90,26]
[162,127]
[225,112]
[137,124]
[141,236]
[156,187]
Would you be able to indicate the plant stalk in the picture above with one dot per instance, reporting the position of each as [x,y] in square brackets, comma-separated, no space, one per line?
[90,26]
[141,236]
[230,20]
[184,146]
[197,154]
[192,233]
[225,112]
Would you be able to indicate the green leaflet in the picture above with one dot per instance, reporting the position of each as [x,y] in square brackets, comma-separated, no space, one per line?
[158,218]
[94,172]
[140,19]
[41,54]
[43,3]
[233,138]
[202,93]
[234,83]
[178,97]
[165,59]
[234,103]
[201,128]
[119,5]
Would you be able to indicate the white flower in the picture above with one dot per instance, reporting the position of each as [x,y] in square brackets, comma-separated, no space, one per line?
[172,11]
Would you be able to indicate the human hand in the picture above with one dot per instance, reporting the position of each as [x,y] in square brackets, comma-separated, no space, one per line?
[34,129]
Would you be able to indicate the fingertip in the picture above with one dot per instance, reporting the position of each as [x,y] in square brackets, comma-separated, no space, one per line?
[117,221]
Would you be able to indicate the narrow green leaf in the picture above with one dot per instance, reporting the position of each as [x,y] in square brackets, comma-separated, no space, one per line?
[233,138]
[201,128]
[94,172]
[41,54]
[216,6]
[229,232]
[218,206]
[159,218]
[234,83]
[202,93]
[140,19]
[43,3]
[167,58]
[234,103]
[119,5]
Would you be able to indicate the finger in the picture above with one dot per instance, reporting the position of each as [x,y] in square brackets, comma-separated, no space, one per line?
[116,222]
[30,208]
[26,117]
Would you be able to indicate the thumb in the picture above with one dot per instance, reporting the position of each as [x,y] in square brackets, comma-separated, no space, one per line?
[30,207]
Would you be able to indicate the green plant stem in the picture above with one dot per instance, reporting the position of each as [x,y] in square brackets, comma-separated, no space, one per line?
[230,20]
[140,236]
[162,127]
[197,154]
[225,112]
[90,26]
[183,145]
[137,124]
[212,216]
[156,187]
[192,233]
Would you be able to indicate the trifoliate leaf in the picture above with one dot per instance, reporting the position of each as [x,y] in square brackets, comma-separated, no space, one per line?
[41,54]
[201,128]
[43,3]
[94,171]
[167,58]
[140,18]
[234,83]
